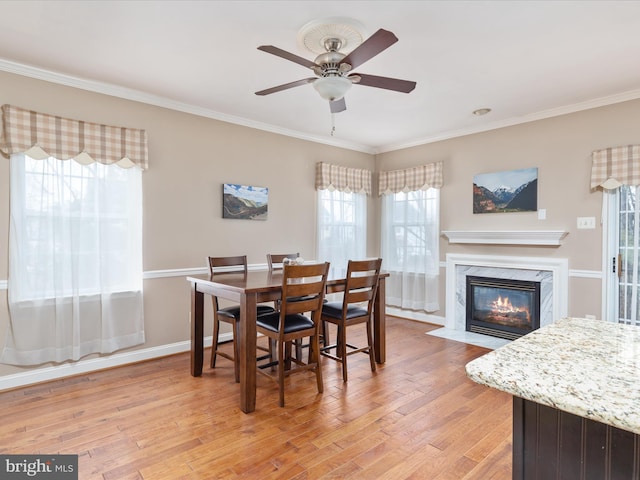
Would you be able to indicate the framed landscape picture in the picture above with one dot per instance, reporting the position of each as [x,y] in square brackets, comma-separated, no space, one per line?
[244,202]
[510,191]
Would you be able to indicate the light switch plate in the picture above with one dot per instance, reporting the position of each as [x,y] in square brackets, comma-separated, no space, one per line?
[586,222]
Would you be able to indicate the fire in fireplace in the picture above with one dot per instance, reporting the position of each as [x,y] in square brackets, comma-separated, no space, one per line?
[501,307]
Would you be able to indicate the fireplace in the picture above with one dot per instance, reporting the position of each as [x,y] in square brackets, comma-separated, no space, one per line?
[501,307]
[552,273]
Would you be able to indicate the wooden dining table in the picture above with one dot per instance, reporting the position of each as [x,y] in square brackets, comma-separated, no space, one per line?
[248,290]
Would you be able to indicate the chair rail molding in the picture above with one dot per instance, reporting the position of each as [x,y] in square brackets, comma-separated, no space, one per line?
[506,237]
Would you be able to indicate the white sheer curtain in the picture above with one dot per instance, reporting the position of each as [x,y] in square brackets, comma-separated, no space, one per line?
[342,229]
[75,260]
[410,231]
[342,215]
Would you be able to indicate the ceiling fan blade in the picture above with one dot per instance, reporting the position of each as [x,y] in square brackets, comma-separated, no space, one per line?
[338,106]
[278,52]
[372,46]
[285,86]
[404,86]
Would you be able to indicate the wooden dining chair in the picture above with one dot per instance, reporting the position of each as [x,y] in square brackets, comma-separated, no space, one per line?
[355,308]
[225,266]
[307,282]
[275,260]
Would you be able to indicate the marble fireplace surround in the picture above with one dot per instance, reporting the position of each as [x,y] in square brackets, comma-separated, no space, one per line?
[552,273]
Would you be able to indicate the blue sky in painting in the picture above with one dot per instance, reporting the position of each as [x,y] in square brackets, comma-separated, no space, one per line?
[257,194]
[509,179]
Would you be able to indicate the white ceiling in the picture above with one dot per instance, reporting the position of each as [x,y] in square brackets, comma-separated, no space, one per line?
[523,59]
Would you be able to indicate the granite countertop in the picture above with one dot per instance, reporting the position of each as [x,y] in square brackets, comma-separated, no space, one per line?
[590,368]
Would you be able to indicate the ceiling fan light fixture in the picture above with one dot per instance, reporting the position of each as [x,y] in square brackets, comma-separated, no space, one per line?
[332,88]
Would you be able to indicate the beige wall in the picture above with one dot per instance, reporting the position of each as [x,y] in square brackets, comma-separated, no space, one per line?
[561,149]
[191,157]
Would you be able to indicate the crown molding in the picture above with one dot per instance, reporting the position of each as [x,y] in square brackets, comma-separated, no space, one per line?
[510,122]
[143,97]
[158,101]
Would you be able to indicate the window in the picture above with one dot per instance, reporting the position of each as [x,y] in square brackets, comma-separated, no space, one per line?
[628,255]
[616,170]
[342,232]
[622,254]
[410,229]
[75,237]
[75,259]
[77,228]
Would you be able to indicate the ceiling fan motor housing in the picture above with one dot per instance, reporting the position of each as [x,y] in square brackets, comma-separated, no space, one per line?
[332,83]
[329,64]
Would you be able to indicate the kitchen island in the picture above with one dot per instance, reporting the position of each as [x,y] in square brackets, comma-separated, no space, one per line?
[576,399]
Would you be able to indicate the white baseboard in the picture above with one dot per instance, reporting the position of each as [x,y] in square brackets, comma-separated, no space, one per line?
[418,316]
[47,374]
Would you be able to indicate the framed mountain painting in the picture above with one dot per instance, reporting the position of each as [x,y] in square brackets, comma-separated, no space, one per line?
[245,202]
[510,191]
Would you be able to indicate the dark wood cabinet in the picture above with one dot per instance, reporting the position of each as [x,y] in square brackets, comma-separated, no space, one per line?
[551,444]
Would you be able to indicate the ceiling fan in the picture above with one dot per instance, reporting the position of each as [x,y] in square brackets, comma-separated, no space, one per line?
[333,69]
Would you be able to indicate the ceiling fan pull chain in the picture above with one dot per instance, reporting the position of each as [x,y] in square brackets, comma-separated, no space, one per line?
[333,123]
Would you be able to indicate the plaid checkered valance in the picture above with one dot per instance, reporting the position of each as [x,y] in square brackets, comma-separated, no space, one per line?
[343,179]
[41,135]
[613,167]
[411,179]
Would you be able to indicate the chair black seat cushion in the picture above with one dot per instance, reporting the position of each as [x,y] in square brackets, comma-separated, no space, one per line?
[292,323]
[301,299]
[334,310]
[234,312]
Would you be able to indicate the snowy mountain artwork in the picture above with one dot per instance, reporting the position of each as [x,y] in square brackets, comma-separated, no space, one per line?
[509,191]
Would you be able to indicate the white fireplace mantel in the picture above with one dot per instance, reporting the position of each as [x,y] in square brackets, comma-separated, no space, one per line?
[507,237]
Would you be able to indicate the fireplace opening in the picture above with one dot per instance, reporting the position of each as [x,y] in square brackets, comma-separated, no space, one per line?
[501,307]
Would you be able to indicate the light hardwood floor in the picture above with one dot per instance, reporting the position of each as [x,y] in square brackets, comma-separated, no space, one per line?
[417,417]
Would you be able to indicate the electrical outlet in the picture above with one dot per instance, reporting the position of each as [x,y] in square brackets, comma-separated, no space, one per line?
[586,222]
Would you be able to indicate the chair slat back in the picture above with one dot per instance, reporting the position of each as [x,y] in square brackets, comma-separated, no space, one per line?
[362,283]
[219,265]
[222,265]
[274,260]
[305,283]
